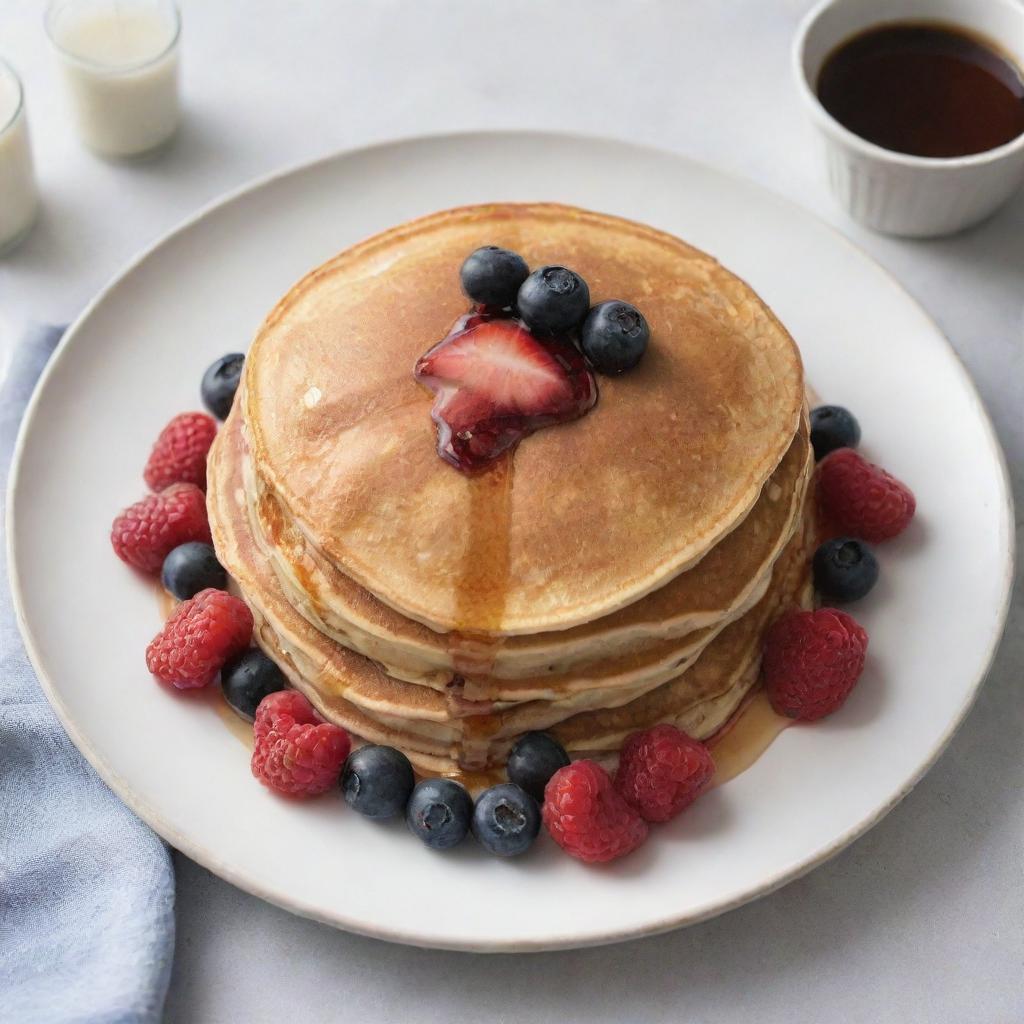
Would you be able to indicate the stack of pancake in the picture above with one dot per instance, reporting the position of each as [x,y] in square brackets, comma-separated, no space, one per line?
[613,573]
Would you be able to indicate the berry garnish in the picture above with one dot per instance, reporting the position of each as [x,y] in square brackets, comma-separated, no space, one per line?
[220,382]
[439,813]
[833,427]
[506,820]
[496,383]
[295,752]
[812,660]
[861,499]
[377,781]
[587,817]
[662,771]
[199,637]
[247,679]
[534,758]
[492,276]
[179,454]
[145,533]
[844,570]
[192,567]
[553,300]
[614,337]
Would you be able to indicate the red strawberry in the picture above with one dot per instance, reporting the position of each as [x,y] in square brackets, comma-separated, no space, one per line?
[496,383]
[861,499]
[179,455]
[812,660]
[587,817]
[662,771]
[296,753]
[201,635]
[145,533]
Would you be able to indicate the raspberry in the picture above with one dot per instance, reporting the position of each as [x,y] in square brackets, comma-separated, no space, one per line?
[179,455]
[661,771]
[146,532]
[587,817]
[296,752]
[203,633]
[861,499]
[812,661]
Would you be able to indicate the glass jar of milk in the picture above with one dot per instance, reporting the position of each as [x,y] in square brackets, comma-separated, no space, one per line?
[18,197]
[120,63]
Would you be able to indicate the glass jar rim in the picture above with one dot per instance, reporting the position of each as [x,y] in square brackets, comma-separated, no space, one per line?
[56,7]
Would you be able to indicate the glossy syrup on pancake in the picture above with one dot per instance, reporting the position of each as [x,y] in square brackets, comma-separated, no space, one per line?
[480,596]
[495,383]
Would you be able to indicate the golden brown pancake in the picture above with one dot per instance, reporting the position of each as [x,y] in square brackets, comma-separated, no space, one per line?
[589,516]
[449,734]
[244,553]
[723,584]
[719,679]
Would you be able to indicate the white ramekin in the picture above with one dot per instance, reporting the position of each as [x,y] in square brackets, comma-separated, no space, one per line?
[896,193]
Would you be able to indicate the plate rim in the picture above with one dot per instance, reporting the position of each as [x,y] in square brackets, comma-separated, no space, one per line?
[207,858]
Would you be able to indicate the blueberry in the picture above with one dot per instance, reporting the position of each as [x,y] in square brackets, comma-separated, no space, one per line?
[247,679]
[833,427]
[614,337]
[220,382]
[377,781]
[533,760]
[492,276]
[439,812]
[553,300]
[192,567]
[844,570]
[506,820]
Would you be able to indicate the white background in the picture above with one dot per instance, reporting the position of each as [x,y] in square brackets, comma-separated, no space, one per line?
[921,920]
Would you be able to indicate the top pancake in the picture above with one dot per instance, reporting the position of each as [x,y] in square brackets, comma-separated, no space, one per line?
[588,516]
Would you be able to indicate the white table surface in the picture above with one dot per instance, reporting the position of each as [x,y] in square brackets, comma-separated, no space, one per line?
[921,920]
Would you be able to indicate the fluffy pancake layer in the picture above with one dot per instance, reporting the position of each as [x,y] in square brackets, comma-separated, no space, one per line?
[719,587]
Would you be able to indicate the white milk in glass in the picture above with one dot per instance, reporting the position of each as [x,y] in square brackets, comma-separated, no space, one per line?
[18,196]
[120,61]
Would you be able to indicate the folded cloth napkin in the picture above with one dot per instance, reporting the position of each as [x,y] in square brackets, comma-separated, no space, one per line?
[86,889]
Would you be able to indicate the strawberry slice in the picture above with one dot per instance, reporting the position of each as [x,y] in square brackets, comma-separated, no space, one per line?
[496,383]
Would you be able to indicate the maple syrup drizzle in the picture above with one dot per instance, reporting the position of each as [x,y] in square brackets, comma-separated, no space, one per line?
[480,597]
[475,781]
[745,737]
[482,587]
[238,726]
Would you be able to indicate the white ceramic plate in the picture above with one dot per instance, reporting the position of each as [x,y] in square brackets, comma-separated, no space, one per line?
[135,358]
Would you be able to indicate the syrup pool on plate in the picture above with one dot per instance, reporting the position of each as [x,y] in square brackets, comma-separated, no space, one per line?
[745,737]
